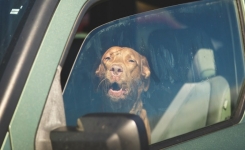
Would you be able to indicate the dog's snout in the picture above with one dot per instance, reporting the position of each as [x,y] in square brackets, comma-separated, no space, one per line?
[116,70]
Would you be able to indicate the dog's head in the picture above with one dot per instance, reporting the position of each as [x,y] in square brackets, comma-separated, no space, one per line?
[124,73]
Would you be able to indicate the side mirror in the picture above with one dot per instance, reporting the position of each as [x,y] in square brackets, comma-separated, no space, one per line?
[102,131]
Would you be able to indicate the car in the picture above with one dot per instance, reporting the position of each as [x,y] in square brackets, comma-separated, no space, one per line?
[50,50]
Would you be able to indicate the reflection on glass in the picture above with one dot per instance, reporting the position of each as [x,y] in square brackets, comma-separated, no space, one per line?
[195,68]
[11,20]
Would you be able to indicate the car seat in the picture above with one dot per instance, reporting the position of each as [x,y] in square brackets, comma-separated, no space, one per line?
[194,96]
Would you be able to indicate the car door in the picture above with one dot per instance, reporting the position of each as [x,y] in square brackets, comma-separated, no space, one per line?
[191,92]
[195,50]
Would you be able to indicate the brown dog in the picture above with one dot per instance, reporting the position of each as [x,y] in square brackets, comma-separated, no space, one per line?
[125,74]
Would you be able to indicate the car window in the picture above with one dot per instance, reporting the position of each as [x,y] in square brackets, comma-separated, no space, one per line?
[11,18]
[180,68]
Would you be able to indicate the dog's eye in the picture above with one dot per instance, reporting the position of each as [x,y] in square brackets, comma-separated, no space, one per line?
[131,60]
[107,58]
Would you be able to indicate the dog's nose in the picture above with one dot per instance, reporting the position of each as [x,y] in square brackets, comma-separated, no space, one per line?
[116,70]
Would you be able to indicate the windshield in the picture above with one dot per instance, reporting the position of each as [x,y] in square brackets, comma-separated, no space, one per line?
[12,18]
[183,65]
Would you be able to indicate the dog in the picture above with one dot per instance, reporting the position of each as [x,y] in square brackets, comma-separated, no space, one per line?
[125,74]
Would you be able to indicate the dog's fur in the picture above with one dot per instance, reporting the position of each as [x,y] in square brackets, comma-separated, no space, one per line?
[125,74]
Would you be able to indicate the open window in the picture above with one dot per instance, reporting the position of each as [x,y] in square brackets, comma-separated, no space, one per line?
[196,61]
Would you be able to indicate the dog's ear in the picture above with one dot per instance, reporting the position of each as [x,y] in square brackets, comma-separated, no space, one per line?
[145,72]
[100,71]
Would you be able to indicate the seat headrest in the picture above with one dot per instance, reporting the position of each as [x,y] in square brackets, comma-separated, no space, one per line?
[181,55]
[204,63]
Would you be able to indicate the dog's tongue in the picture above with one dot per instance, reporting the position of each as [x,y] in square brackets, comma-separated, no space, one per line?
[116,90]
[115,93]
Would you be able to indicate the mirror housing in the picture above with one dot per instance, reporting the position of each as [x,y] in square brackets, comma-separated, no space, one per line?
[102,131]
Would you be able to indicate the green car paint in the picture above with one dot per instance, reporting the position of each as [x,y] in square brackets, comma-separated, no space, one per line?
[6,143]
[29,109]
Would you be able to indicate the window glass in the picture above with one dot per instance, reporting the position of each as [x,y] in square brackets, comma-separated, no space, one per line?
[11,18]
[184,73]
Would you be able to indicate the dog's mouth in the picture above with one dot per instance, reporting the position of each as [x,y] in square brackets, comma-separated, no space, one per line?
[117,91]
